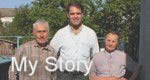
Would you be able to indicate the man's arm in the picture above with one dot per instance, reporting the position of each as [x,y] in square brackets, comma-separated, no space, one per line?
[95,47]
[56,41]
[13,74]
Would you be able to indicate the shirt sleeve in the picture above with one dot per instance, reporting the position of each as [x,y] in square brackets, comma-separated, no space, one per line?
[13,74]
[123,66]
[57,40]
[93,68]
[95,45]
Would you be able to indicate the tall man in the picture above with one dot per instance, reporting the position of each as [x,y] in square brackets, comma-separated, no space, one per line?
[109,64]
[35,50]
[76,44]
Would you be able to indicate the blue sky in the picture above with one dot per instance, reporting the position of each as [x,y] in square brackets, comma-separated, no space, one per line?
[13,3]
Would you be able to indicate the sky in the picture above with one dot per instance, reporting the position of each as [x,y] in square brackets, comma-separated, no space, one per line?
[13,3]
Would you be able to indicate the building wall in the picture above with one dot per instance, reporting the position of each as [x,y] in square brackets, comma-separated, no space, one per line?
[7,15]
[6,20]
[144,49]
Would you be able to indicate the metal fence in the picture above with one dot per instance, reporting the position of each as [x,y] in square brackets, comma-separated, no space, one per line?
[8,44]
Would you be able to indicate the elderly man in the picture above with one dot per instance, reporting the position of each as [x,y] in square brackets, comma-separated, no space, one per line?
[109,64]
[76,44]
[35,50]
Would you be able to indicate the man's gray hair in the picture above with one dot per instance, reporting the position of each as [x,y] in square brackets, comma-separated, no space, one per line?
[40,22]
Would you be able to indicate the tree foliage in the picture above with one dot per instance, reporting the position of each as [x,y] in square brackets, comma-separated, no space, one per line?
[123,16]
[1,27]
[118,15]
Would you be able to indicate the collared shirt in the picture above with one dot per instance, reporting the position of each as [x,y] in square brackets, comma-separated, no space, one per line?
[32,51]
[76,48]
[109,64]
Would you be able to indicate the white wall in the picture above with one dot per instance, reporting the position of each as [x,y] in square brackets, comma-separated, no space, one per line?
[7,19]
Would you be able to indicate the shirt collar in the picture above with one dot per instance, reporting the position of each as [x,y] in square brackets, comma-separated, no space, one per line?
[43,48]
[111,53]
[69,27]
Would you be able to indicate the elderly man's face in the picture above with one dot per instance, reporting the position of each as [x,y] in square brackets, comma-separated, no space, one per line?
[75,16]
[41,34]
[111,42]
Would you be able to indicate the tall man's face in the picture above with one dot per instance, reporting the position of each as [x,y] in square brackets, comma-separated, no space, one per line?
[41,34]
[111,42]
[75,16]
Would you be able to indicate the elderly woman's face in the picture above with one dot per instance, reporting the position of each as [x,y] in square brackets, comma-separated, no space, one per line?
[111,42]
